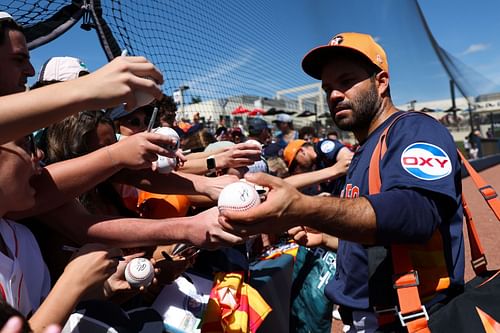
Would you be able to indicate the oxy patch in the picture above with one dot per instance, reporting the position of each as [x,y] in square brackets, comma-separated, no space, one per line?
[426,161]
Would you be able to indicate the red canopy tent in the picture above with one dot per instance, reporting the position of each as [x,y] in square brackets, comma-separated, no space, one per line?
[257,112]
[240,110]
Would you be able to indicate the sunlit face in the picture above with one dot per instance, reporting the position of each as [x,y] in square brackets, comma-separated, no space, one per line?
[102,136]
[15,65]
[305,158]
[18,163]
[351,94]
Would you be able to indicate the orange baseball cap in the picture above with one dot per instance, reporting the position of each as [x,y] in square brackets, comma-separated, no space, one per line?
[362,44]
[291,150]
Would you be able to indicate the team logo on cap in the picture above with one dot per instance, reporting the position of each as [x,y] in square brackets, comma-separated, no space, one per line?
[327,146]
[426,161]
[336,40]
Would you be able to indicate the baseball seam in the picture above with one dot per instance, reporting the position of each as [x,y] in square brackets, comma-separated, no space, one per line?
[238,208]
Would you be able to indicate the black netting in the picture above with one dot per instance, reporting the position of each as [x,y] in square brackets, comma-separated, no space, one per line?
[32,12]
[252,49]
[206,45]
[44,20]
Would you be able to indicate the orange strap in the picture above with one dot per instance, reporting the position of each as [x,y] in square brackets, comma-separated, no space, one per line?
[489,194]
[478,258]
[411,311]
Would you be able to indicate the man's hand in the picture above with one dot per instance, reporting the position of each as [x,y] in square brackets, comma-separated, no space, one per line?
[281,210]
[344,158]
[139,151]
[205,231]
[117,82]
[306,236]
[241,154]
[215,185]
[92,264]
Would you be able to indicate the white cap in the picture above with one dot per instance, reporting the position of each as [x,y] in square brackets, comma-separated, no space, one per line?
[62,69]
[283,118]
[6,16]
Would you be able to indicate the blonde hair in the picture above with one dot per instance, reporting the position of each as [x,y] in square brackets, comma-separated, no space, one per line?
[277,167]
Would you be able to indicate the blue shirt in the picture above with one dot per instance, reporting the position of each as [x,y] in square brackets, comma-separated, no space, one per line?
[419,171]
[326,151]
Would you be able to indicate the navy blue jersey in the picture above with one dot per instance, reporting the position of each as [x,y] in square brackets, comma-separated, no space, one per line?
[327,151]
[326,156]
[421,158]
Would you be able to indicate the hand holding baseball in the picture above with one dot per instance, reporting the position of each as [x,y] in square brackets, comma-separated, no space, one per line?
[281,210]
[166,164]
[92,264]
[238,196]
[139,273]
[139,151]
[118,283]
[203,230]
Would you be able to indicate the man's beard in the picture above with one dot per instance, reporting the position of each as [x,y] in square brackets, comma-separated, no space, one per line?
[364,107]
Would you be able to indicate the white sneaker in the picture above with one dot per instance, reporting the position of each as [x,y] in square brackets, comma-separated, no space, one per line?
[336,313]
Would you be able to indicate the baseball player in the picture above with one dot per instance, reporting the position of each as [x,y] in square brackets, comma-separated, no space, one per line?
[419,203]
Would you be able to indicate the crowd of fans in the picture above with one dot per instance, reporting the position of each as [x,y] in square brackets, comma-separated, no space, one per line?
[87,180]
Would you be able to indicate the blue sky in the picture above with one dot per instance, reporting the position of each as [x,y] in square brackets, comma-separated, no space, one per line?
[468,30]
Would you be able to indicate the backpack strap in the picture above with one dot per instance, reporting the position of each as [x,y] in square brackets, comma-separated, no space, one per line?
[411,313]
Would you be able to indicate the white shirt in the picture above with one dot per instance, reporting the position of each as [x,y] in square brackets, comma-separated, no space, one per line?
[24,277]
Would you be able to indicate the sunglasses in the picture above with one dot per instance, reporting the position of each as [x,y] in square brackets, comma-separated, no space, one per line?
[136,121]
[29,145]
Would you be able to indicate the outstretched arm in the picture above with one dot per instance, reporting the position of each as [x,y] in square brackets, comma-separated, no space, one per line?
[60,182]
[242,154]
[285,207]
[335,171]
[109,86]
[175,182]
[75,222]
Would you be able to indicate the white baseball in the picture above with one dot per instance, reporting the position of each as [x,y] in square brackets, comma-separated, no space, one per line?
[166,164]
[254,142]
[167,131]
[139,272]
[239,196]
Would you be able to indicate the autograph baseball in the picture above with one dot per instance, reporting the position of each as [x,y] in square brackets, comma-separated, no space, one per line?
[139,272]
[167,131]
[238,196]
[167,164]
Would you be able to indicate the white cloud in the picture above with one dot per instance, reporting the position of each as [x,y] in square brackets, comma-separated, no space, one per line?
[476,48]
